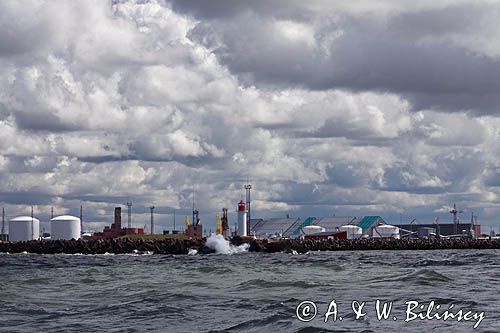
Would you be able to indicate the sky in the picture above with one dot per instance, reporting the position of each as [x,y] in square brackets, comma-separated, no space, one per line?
[345,108]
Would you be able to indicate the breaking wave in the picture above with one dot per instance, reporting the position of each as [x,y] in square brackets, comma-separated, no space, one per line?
[222,245]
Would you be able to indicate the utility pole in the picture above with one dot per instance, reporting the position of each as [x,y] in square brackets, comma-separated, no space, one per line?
[32,226]
[51,213]
[3,223]
[152,222]
[129,211]
[248,187]
[195,211]
[174,220]
[81,219]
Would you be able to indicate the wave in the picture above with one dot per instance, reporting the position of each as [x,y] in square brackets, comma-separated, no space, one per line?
[278,284]
[443,262]
[222,245]
[426,277]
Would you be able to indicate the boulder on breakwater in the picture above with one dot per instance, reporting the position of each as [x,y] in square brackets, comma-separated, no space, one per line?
[182,246]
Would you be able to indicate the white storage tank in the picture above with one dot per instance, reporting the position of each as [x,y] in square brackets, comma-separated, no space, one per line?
[312,229]
[385,231]
[65,227]
[353,231]
[24,228]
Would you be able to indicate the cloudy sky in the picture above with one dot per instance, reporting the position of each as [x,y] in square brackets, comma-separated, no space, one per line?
[345,108]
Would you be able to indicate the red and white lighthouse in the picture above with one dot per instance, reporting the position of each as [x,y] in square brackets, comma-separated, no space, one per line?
[242,219]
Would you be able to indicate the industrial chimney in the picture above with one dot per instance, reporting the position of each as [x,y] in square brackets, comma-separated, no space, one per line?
[118,218]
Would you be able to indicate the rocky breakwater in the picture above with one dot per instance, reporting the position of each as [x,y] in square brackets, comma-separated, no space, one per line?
[303,246]
[182,246]
[101,246]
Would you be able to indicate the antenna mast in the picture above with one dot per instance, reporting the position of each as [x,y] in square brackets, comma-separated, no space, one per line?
[3,222]
[152,221]
[129,212]
[196,219]
[81,219]
[455,213]
[248,187]
[32,226]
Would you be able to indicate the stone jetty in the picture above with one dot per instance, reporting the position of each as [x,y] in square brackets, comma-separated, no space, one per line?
[182,246]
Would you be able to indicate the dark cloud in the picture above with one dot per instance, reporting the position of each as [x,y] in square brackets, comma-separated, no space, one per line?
[358,53]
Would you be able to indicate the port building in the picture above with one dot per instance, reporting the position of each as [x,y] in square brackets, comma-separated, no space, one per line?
[116,230]
[442,229]
[332,224]
[293,227]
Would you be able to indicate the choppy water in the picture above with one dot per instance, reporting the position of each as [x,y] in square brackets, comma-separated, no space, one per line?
[244,292]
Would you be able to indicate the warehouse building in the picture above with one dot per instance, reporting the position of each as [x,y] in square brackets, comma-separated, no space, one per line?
[443,229]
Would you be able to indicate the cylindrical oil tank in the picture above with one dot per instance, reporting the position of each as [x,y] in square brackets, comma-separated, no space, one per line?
[312,229]
[65,227]
[353,231]
[24,228]
[385,231]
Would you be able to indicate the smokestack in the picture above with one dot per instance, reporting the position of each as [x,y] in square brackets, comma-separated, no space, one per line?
[118,218]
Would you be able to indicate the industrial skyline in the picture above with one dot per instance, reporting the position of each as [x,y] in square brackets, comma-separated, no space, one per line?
[324,107]
[165,220]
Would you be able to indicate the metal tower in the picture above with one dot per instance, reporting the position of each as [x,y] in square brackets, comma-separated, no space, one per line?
[32,226]
[248,187]
[174,220]
[196,213]
[473,223]
[81,219]
[3,222]
[51,212]
[196,217]
[455,213]
[152,221]
[129,212]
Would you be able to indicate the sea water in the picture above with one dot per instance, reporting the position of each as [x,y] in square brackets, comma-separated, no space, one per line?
[234,290]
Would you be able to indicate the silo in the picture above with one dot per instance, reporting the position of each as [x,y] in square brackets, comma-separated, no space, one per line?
[23,228]
[312,229]
[65,227]
[386,231]
[353,231]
